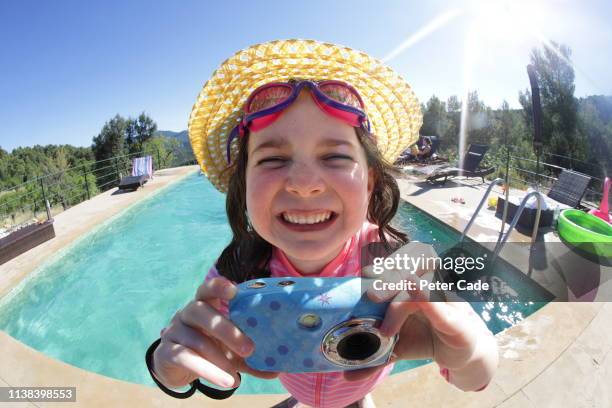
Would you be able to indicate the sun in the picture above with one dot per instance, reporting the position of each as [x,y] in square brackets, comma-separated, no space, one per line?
[506,21]
[493,17]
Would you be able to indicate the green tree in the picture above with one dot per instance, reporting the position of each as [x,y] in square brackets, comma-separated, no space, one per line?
[139,131]
[434,117]
[111,140]
[23,170]
[449,135]
[166,151]
[479,125]
[108,144]
[555,76]
[592,124]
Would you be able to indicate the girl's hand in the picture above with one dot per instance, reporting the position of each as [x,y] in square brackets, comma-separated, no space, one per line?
[201,342]
[450,333]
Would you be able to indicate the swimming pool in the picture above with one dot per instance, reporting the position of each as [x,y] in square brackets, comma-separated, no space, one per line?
[102,302]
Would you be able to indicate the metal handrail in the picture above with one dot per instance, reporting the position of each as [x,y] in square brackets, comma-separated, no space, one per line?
[482,201]
[89,163]
[572,159]
[59,187]
[519,211]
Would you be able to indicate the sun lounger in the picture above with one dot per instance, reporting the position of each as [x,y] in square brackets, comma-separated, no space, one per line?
[471,166]
[407,158]
[567,192]
[570,188]
[132,182]
[142,170]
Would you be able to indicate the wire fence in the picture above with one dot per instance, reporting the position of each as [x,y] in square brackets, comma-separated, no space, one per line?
[42,197]
[544,174]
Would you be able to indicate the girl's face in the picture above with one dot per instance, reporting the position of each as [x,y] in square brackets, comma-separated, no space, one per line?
[308,184]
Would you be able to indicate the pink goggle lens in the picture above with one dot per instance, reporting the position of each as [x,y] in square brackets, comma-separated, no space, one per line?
[341,93]
[269,97]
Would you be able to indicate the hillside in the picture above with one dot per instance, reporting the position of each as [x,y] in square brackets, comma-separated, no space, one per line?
[182,136]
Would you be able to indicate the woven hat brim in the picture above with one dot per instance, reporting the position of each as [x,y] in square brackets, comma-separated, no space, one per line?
[391,105]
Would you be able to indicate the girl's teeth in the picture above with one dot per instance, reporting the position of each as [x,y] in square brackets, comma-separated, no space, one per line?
[310,219]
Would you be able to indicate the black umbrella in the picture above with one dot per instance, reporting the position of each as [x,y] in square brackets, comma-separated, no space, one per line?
[536,108]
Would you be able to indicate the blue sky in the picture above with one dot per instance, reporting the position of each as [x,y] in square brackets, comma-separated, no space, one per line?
[69,66]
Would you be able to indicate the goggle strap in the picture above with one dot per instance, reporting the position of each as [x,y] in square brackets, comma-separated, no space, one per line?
[336,104]
[237,130]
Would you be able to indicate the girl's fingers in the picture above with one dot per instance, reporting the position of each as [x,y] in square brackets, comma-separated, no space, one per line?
[214,289]
[203,345]
[187,359]
[203,317]
[453,326]
[376,294]
[243,367]
[415,339]
[389,285]
[400,308]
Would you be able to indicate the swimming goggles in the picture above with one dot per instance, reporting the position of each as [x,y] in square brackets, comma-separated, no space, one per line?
[266,104]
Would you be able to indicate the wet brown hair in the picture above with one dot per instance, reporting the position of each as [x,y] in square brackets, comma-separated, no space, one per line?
[247,255]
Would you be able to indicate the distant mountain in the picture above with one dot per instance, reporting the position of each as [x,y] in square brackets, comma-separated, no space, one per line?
[182,136]
[603,105]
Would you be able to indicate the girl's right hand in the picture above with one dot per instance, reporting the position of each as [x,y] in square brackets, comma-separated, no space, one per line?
[201,342]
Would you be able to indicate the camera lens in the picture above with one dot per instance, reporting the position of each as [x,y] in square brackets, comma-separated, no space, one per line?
[358,346]
[357,342]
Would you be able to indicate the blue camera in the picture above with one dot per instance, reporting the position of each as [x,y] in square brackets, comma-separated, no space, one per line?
[311,324]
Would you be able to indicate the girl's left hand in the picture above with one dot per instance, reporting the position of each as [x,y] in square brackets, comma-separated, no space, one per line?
[450,333]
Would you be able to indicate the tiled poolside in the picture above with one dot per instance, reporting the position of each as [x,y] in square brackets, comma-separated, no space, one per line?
[559,356]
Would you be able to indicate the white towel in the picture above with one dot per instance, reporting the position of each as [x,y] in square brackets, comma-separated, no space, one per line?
[142,166]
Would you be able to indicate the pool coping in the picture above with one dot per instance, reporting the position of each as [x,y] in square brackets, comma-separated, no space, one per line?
[537,356]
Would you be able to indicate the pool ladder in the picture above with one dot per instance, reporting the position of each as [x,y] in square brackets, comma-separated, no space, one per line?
[501,241]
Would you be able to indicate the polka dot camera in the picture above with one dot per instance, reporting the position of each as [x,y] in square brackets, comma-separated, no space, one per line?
[311,324]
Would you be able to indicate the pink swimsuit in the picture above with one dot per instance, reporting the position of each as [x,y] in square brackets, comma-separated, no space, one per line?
[328,390]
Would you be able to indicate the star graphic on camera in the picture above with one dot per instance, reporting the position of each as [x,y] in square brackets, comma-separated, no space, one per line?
[324,299]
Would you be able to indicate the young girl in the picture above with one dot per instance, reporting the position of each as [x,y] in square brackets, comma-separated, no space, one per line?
[299,134]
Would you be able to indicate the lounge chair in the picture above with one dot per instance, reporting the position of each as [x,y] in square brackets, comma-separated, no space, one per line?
[432,157]
[142,170]
[132,182]
[569,188]
[471,162]
[567,192]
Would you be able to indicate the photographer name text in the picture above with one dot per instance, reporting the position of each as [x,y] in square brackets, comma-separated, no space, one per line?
[408,285]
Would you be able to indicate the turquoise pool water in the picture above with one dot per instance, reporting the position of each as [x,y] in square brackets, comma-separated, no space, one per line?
[100,304]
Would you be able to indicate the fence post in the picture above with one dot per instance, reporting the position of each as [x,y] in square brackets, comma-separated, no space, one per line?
[117,169]
[42,187]
[48,207]
[86,183]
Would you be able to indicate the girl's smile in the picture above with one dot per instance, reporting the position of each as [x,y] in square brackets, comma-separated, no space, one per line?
[308,184]
[307,220]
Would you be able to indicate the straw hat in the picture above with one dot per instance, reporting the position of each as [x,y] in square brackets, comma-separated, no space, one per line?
[390,103]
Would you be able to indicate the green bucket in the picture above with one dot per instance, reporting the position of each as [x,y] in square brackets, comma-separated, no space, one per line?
[586,231]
